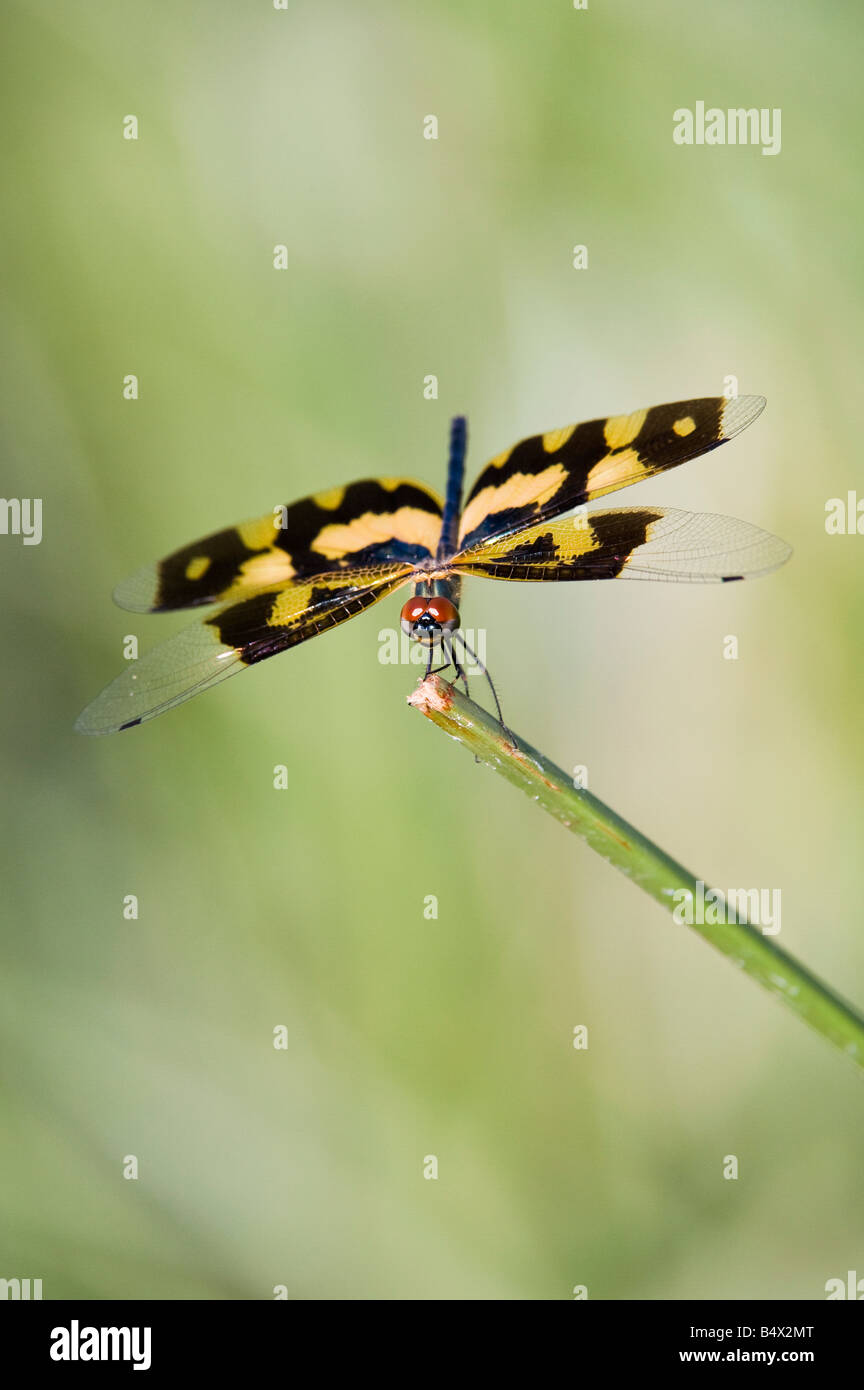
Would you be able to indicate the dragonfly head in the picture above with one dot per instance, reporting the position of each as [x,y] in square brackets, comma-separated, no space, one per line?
[427,617]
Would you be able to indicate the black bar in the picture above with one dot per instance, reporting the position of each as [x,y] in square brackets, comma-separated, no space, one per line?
[223,1337]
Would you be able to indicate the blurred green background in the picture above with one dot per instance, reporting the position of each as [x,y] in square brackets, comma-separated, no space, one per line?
[305,907]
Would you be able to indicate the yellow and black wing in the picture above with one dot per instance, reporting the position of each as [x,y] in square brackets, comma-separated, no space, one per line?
[549,474]
[372,522]
[629,543]
[238,635]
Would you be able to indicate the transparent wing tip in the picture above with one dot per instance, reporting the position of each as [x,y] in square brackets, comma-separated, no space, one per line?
[740,412]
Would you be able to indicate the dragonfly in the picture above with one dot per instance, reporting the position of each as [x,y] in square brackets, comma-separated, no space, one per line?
[309,566]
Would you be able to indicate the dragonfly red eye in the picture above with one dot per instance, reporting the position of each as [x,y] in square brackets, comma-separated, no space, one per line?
[413,609]
[445,613]
[426,616]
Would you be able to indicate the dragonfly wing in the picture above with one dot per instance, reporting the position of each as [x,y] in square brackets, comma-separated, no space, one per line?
[231,639]
[551,473]
[375,521]
[630,543]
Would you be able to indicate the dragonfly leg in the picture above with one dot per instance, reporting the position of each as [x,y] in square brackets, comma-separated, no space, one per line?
[475,658]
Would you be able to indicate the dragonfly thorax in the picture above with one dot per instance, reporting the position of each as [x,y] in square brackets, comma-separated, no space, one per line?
[427,617]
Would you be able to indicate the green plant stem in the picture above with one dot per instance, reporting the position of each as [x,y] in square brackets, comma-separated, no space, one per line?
[643,862]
